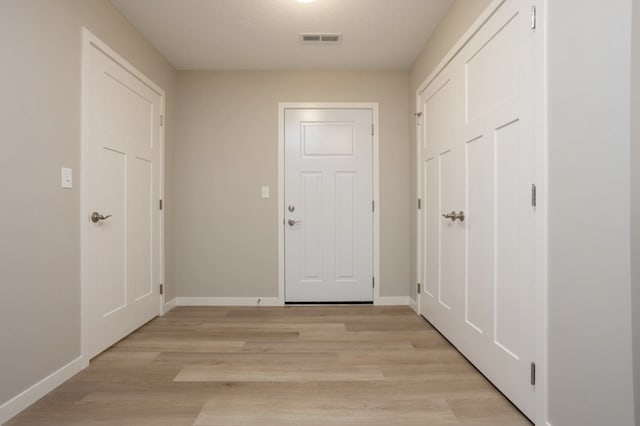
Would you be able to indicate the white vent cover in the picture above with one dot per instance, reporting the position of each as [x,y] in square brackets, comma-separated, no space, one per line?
[326,38]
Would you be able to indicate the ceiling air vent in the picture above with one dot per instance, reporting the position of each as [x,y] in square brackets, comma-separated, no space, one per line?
[320,38]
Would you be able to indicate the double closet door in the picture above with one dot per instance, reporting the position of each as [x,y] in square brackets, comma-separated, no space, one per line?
[477,228]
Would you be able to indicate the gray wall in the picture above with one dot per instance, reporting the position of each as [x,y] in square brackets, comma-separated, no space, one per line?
[635,198]
[226,235]
[590,365]
[459,18]
[40,46]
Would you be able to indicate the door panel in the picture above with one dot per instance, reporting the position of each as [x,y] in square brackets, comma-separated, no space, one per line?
[480,233]
[451,239]
[122,179]
[328,194]
[345,226]
[497,59]
[312,230]
[140,244]
[507,240]
[478,123]
[431,226]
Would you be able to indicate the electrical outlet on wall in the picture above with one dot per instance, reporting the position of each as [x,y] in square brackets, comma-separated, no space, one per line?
[67,177]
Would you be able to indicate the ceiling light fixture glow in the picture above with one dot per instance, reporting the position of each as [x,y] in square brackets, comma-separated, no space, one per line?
[305,1]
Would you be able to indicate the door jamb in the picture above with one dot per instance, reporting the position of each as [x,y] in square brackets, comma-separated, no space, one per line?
[90,41]
[373,106]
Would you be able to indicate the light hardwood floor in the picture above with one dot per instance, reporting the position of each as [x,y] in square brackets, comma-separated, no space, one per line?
[295,365]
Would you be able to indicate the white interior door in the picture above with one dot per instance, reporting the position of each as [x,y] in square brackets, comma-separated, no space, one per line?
[477,157]
[328,205]
[121,260]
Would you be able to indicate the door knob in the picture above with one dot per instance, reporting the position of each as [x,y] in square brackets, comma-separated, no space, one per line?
[455,216]
[96,217]
[451,216]
[292,222]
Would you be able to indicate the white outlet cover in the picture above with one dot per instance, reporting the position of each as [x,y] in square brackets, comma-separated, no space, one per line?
[265,192]
[67,177]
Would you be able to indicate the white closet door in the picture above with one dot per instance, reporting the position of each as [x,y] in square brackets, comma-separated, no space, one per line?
[477,158]
[121,226]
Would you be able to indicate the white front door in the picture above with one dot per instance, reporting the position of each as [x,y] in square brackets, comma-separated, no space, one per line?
[121,258]
[477,160]
[328,205]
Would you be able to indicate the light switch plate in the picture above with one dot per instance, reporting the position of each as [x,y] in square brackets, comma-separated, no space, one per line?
[265,192]
[67,177]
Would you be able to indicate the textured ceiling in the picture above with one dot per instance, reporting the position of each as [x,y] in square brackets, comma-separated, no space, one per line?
[263,34]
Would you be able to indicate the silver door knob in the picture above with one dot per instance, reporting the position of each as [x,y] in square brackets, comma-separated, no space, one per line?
[454,216]
[451,215]
[292,222]
[96,217]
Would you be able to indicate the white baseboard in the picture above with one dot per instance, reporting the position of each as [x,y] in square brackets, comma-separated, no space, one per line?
[267,301]
[23,400]
[228,301]
[169,306]
[392,301]
[414,305]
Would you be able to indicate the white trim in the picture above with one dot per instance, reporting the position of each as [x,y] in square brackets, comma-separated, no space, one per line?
[542,239]
[24,399]
[168,306]
[228,301]
[89,41]
[393,301]
[373,106]
[541,172]
[414,305]
[161,217]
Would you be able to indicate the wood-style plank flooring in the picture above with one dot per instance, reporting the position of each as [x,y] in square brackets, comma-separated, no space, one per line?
[295,365]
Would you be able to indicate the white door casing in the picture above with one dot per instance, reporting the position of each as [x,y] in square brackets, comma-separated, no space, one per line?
[477,155]
[121,177]
[328,194]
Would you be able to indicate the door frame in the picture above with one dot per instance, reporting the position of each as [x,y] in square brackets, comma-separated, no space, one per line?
[541,177]
[90,41]
[373,106]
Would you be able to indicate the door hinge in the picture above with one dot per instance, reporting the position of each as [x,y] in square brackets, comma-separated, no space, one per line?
[160,204]
[419,288]
[533,374]
[373,282]
[161,288]
[373,206]
[534,18]
[161,120]
[373,132]
[534,195]
[419,203]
